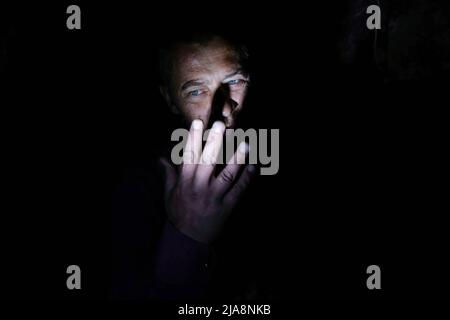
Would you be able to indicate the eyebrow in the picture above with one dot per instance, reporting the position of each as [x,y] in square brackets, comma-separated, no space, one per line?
[191,83]
[238,71]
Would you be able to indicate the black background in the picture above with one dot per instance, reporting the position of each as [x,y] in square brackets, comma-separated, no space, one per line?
[362,175]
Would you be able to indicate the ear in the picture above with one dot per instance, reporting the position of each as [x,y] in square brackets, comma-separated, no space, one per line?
[166,95]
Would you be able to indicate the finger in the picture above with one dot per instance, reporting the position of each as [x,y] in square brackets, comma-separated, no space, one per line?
[170,176]
[240,186]
[210,153]
[226,178]
[193,149]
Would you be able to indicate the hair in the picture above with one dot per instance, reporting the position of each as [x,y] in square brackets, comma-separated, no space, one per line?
[167,46]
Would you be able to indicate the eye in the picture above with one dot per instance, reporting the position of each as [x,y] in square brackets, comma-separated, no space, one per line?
[236,82]
[196,93]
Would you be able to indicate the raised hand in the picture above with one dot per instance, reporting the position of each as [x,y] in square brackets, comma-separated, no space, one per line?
[198,202]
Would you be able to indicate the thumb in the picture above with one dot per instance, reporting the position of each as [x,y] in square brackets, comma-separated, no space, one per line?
[169,174]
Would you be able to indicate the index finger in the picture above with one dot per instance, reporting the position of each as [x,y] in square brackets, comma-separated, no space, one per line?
[192,151]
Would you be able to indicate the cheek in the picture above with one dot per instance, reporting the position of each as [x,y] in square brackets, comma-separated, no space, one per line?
[196,110]
[239,97]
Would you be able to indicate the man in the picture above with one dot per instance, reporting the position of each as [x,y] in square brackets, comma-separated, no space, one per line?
[205,82]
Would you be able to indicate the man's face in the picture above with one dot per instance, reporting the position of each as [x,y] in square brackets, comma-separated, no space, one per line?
[207,82]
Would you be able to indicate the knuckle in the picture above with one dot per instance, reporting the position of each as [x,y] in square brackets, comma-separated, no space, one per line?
[227,176]
[194,194]
[239,189]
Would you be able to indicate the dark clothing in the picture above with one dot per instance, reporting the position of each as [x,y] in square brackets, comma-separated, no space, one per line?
[151,258]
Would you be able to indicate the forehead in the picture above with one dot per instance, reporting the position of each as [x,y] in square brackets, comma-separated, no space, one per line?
[214,58]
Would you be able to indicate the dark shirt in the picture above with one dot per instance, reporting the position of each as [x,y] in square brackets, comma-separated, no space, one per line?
[151,258]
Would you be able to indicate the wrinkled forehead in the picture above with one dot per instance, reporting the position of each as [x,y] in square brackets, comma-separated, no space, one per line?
[193,60]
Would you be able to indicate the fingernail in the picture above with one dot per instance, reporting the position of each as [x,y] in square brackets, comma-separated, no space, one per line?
[226,112]
[218,127]
[244,147]
[197,124]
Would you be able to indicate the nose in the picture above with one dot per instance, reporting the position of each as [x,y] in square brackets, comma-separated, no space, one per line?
[223,105]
